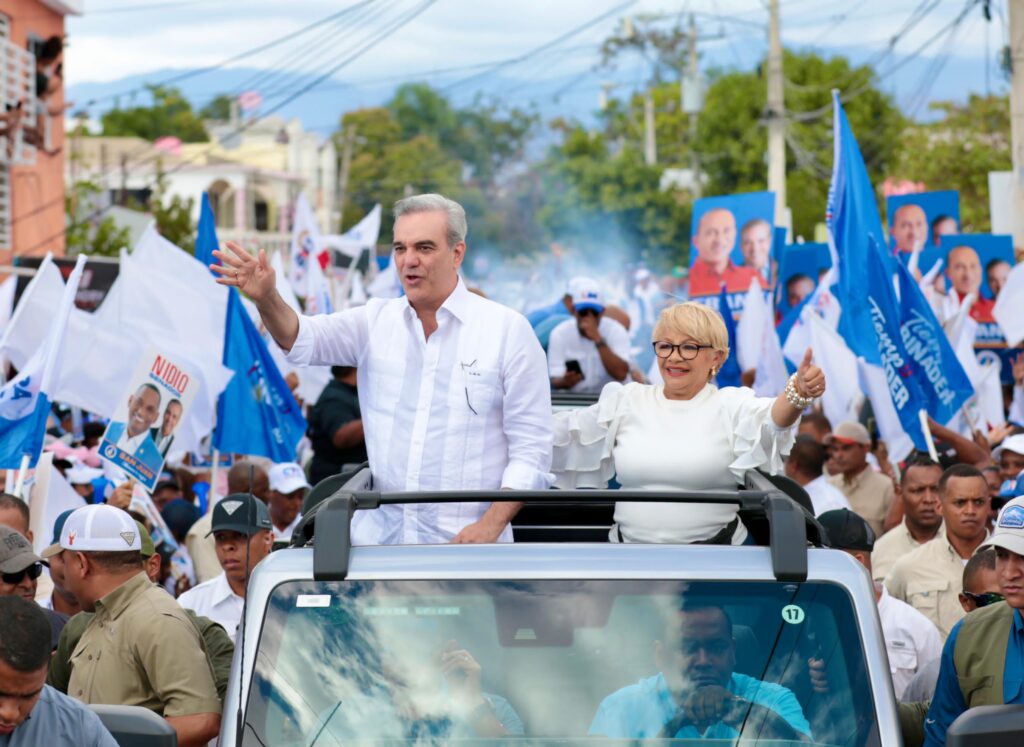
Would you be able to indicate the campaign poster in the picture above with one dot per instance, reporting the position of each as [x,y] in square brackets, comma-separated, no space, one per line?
[731,240]
[141,432]
[979,263]
[920,220]
[801,267]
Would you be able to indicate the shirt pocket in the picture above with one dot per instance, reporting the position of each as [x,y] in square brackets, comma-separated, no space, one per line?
[902,659]
[924,596]
[476,390]
[977,690]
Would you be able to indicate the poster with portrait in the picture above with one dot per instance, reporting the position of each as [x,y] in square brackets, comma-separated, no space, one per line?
[978,263]
[731,240]
[920,220]
[141,432]
[801,266]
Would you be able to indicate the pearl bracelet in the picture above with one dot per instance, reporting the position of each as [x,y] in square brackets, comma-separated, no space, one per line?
[794,397]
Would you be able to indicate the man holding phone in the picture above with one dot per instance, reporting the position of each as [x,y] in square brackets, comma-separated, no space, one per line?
[589,350]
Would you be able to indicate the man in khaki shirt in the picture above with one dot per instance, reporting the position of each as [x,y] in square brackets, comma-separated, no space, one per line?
[870,493]
[930,579]
[140,648]
[918,493]
[199,542]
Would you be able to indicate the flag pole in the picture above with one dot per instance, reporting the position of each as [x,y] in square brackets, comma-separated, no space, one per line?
[213,480]
[19,482]
[932,452]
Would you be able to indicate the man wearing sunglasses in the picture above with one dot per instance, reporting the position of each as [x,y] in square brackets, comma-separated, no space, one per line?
[983,659]
[20,569]
[589,350]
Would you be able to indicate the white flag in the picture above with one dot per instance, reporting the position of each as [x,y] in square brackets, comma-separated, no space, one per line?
[1009,308]
[318,291]
[30,321]
[843,395]
[890,429]
[386,284]
[307,245]
[362,237]
[312,379]
[757,343]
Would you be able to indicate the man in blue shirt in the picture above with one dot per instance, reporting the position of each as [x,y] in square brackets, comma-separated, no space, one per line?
[697,693]
[31,712]
[976,667]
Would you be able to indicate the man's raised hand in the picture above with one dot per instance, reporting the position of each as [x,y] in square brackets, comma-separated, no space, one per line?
[252,275]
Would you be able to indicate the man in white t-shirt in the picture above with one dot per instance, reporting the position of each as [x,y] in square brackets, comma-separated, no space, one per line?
[805,466]
[288,486]
[589,350]
[238,520]
[911,639]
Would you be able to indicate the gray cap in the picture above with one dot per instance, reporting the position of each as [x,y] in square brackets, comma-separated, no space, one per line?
[16,552]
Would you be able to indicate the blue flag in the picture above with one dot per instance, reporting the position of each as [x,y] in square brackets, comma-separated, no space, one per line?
[943,381]
[729,373]
[853,226]
[256,413]
[206,235]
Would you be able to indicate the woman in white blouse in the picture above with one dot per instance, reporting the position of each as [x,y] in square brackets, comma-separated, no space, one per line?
[685,434]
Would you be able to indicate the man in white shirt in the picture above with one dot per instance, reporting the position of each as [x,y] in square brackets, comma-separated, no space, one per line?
[453,388]
[288,487]
[241,531]
[589,350]
[911,639]
[805,465]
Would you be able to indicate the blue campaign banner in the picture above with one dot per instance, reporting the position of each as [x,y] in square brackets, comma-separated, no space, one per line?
[800,268]
[731,239]
[993,251]
[939,212]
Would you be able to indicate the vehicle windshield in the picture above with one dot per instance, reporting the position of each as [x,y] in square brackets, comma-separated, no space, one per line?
[569,661]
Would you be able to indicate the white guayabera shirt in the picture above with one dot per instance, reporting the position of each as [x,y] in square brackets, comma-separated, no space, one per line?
[467,409]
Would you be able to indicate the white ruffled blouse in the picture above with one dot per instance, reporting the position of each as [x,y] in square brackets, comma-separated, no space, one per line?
[649,442]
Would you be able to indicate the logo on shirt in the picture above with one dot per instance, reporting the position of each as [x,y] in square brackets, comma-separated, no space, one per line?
[128,537]
[1012,518]
[231,506]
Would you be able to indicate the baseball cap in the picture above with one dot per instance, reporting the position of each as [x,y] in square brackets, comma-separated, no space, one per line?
[847,530]
[287,477]
[851,432]
[1014,443]
[97,528]
[15,551]
[587,295]
[240,512]
[1009,529]
[148,548]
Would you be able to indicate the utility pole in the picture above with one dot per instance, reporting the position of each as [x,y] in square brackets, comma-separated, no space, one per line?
[692,97]
[348,141]
[1016,9]
[775,114]
[650,141]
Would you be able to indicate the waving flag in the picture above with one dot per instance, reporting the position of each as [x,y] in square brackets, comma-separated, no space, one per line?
[318,291]
[256,413]
[25,400]
[729,373]
[362,237]
[206,235]
[307,245]
[853,226]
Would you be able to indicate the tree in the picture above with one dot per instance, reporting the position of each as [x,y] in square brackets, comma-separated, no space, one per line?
[958,151]
[87,231]
[218,108]
[170,115]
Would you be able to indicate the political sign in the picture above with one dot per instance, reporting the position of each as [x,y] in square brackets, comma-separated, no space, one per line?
[800,268]
[919,221]
[994,253]
[142,429]
[730,243]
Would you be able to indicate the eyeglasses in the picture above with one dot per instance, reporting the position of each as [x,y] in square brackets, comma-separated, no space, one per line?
[984,600]
[33,572]
[687,351]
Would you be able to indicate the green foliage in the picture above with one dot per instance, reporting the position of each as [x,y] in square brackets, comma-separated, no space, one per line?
[173,217]
[958,151]
[170,115]
[219,108]
[86,234]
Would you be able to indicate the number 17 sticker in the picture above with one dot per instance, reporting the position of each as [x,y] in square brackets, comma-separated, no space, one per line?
[792,614]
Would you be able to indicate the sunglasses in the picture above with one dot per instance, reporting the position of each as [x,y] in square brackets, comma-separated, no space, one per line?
[984,600]
[33,572]
[588,312]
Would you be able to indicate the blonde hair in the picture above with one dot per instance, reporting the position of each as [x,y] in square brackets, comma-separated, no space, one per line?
[695,320]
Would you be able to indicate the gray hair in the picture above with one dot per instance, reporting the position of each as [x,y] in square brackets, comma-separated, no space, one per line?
[427,203]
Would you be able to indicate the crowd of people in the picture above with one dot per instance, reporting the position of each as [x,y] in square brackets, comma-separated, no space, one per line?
[445,389]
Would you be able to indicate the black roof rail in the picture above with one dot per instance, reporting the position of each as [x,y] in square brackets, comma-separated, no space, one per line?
[788,529]
[563,398]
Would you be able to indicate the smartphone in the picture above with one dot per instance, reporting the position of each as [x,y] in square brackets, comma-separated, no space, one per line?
[574,366]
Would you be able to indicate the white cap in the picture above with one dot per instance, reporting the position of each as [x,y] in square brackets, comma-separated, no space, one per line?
[1013,443]
[98,528]
[82,475]
[1009,530]
[287,478]
[642,274]
[587,295]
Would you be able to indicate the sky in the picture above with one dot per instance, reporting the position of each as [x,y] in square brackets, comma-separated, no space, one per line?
[118,44]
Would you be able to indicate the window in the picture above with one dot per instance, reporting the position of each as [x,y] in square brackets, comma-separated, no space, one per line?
[567,661]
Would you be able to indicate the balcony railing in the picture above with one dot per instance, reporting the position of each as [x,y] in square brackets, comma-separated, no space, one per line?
[17,88]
